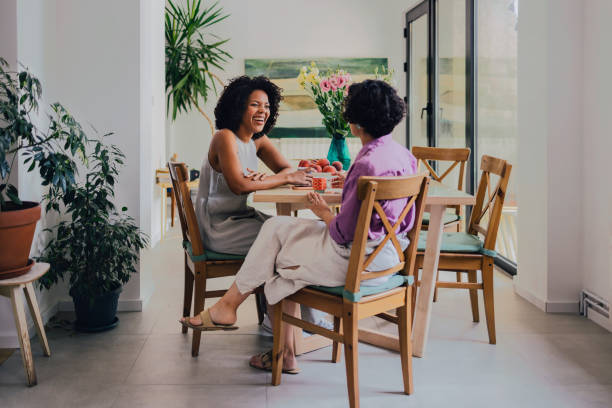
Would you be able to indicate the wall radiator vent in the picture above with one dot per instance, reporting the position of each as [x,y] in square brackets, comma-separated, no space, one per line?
[590,301]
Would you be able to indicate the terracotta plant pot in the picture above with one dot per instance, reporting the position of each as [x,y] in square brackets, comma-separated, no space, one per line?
[17,226]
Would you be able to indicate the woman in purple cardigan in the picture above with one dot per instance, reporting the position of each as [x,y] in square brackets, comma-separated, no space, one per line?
[291,253]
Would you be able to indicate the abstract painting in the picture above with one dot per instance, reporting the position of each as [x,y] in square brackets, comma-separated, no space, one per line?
[298,116]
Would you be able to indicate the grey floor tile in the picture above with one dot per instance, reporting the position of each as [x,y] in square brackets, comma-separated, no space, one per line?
[166,359]
[163,396]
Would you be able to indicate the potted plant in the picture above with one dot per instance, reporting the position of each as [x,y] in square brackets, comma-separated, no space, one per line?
[52,151]
[97,248]
[190,55]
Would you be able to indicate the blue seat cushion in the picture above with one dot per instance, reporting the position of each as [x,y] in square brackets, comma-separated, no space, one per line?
[447,218]
[458,242]
[393,282]
[210,255]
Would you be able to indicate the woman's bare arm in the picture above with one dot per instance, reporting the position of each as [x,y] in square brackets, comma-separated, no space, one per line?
[224,145]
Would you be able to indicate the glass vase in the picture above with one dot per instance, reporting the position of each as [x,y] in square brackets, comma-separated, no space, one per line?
[338,151]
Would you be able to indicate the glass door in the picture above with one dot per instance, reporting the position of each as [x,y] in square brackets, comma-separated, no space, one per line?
[419,121]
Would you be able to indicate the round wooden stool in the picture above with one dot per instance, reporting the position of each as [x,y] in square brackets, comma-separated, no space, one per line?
[11,288]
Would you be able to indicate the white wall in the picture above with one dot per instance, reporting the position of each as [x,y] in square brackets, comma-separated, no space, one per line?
[106,66]
[597,145]
[152,120]
[563,176]
[549,169]
[532,168]
[297,29]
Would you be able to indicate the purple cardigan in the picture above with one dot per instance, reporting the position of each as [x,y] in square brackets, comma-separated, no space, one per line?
[380,157]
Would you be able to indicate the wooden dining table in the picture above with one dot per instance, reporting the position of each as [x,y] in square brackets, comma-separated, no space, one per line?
[439,197]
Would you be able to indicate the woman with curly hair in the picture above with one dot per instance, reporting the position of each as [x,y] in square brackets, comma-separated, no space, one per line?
[245,113]
[292,253]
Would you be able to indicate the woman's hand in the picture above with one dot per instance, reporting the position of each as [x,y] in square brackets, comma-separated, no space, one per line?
[299,178]
[255,175]
[338,180]
[319,207]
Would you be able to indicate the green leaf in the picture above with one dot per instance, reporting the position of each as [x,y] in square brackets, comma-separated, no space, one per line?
[11,193]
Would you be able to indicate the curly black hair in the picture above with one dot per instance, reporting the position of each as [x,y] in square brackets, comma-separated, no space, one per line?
[375,106]
[233,102]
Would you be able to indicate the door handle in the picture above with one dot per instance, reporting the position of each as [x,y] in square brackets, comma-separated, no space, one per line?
[426,109]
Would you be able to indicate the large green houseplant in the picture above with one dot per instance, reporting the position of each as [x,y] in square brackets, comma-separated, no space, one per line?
[51,148]
[190,56]
[97,247]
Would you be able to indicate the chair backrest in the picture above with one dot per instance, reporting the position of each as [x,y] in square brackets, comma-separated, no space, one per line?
[458,157]
[189,223]
[495,199]
[162,175]
[372,190]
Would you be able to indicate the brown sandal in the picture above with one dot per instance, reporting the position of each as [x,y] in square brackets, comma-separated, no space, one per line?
[266,363]
[207,323]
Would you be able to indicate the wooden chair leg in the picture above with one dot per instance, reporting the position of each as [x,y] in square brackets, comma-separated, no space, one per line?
[22,333]
[188,295]
[413,297]
[435,297]
[472,278]
[277,347]
[350,327]
[172,205]
[487,281]
[336,346]
[198,306]
[38,323]
[405,343]
[458,276]
[260,302]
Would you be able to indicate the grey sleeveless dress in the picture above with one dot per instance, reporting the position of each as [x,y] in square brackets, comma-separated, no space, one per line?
[227,223]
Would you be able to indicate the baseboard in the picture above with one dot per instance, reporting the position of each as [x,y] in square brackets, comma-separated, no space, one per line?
[530,297]
[131,305]
[563,307]
[11,341]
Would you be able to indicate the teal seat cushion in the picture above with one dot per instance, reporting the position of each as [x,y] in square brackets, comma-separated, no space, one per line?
[393,282]
[458,242]
[210,255]
[447,218]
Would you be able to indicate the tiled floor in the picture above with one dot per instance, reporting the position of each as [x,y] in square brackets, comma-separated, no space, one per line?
[541,360]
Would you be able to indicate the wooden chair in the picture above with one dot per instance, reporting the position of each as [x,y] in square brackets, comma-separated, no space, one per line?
[200,264]
[458,157]
[352,302]
[162,176]
[466,252]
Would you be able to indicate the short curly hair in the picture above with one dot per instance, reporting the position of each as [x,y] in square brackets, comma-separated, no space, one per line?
[375,106]
[233,102]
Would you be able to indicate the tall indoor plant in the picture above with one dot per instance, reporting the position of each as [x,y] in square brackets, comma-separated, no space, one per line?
[190,55]
[53,150]
[97,248]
